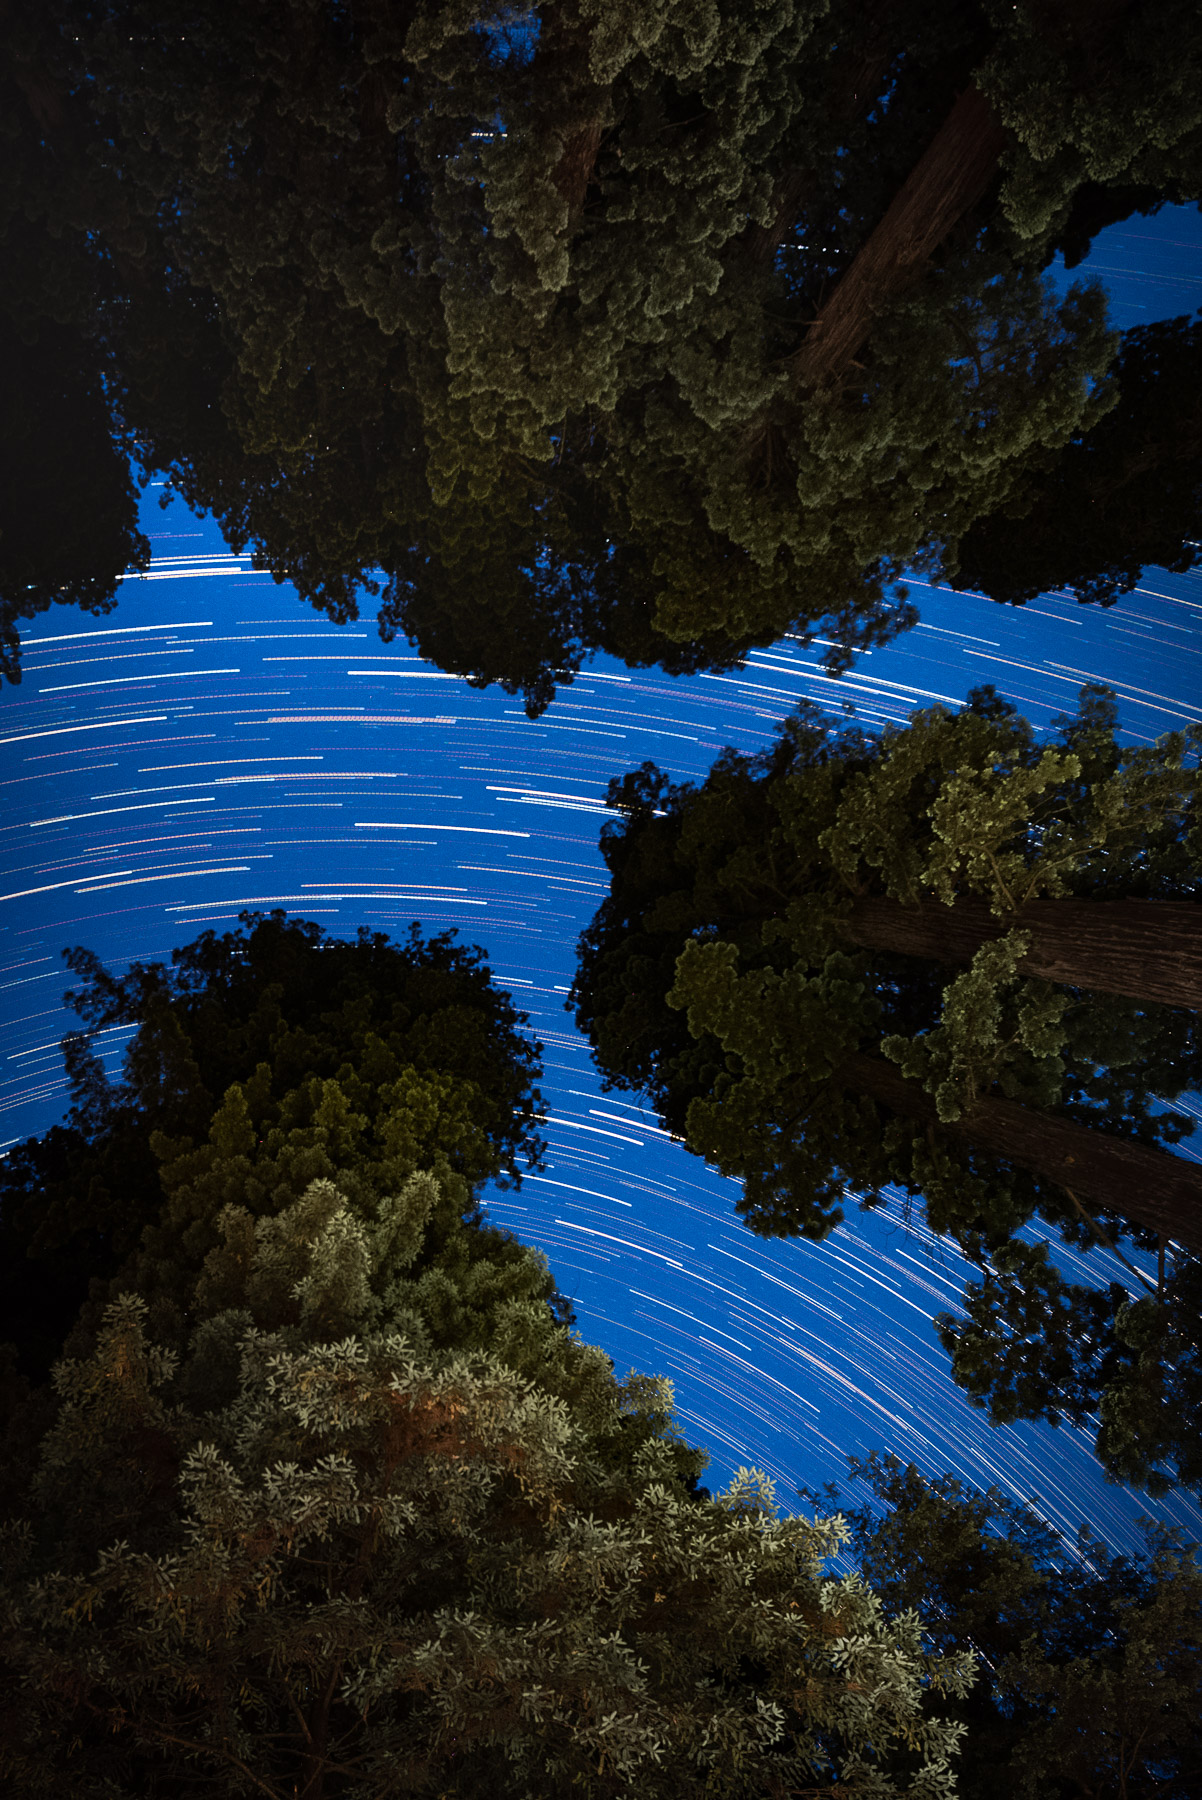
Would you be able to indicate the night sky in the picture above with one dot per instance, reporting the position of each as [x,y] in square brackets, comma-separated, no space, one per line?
[214,744]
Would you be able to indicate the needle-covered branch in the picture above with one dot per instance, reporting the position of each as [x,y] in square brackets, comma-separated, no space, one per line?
[660,332]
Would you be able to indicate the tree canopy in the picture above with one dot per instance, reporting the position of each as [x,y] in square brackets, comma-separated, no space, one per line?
[279,1008]
[332,1502]
[1116,499]
[775,966]
[553,329]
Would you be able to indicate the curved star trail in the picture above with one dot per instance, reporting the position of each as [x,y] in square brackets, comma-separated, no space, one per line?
[213,745]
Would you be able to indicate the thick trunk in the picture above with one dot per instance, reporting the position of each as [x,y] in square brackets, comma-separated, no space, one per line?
[578,106]
[1149,1187]
[574,170]
[946,182]
[1147,950]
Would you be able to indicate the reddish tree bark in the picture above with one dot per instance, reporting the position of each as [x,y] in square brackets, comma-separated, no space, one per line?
[576,103]
[1147,950]
[574,170]
[1150,1187]
[948,179]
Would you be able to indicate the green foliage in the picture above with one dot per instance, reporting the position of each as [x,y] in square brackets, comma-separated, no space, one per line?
[490,316]
[309,1050]
[1079,103]
[717,979]
[318,1553]
[1090,1663]
[965,1055]
[263,1218]
[967,803]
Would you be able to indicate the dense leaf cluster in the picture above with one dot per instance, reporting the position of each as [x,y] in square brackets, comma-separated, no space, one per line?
[280,1008]
[717,978]
[331,1500]
[327,1496]
[1125,495]
[494,317]
[68,498]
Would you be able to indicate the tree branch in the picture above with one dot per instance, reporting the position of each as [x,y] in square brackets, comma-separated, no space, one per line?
[1111,1245]
[140,1726]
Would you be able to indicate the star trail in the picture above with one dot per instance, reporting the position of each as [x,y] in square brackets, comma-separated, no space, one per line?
[213,745]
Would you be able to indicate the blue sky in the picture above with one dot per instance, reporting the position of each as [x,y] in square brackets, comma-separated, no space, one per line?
[213,744]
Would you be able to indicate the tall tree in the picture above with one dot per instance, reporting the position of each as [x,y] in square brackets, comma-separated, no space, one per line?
[559,329]
[380,1526]
[274,1005]
[775,966]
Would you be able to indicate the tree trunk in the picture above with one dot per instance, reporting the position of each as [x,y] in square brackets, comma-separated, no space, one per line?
[574,170]
[1147,950]
[948,179]
[1149,1187]
[577,105]
[944,184]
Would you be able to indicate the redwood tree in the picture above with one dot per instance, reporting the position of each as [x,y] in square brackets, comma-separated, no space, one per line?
[68,497]
[273,1004]
[951,961]
[361,1518]
[573,326]
[1091,1661]
[1128,493]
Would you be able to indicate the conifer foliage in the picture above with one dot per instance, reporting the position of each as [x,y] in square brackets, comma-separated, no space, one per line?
[68,497]
[954,960]
[570,326]
[332,1501]
[312,1031]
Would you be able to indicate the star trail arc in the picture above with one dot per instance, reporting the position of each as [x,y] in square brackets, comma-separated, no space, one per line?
[785,1354]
